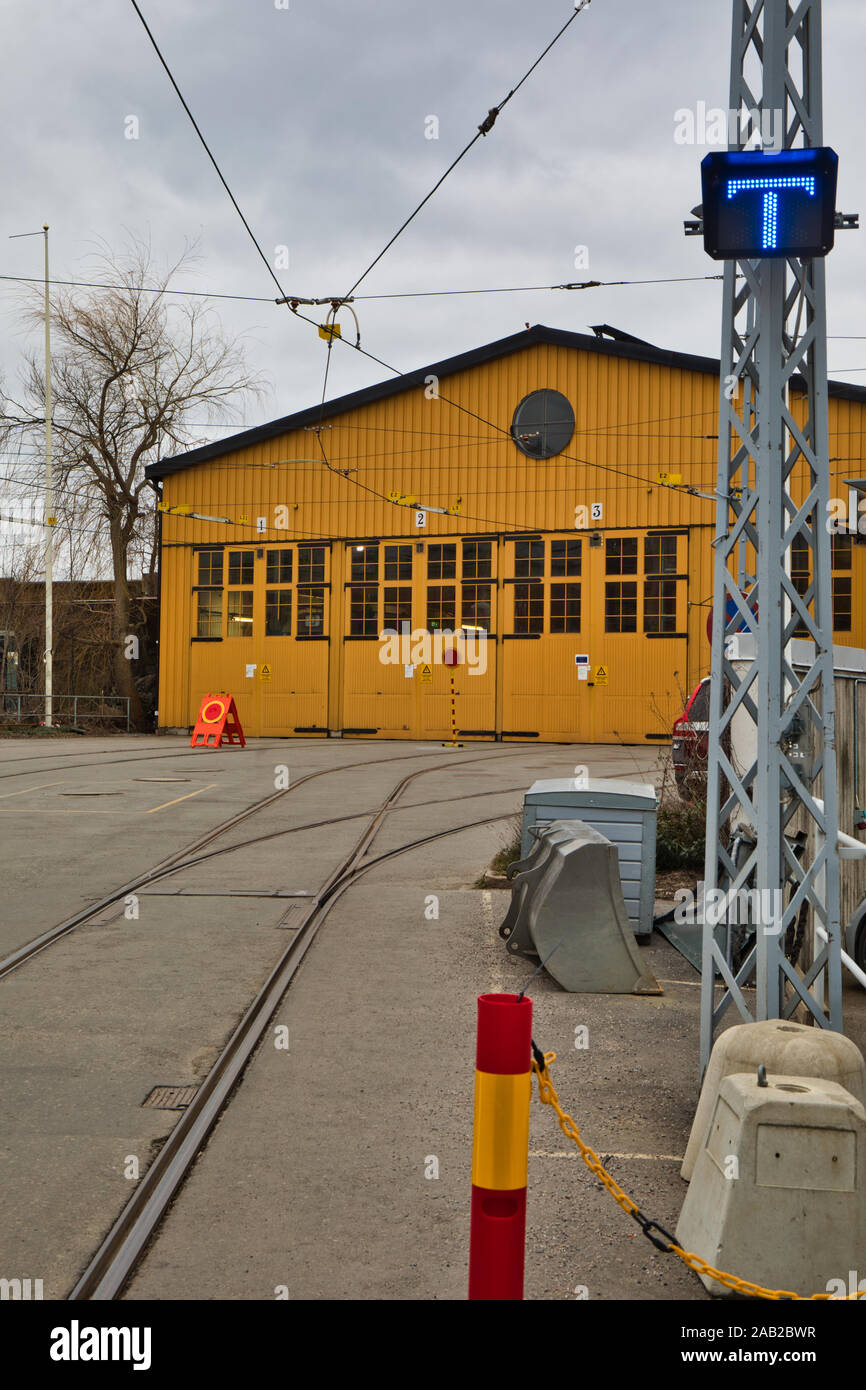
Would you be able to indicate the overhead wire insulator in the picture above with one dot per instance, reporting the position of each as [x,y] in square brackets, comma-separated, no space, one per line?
[330,329]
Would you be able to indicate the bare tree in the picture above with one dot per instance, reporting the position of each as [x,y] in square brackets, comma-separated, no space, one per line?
[131,370]
[22,572]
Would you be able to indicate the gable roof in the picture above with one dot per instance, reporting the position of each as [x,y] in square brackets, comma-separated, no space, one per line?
[625,346]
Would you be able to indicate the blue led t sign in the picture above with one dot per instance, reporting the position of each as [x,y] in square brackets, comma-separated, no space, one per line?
[759,205]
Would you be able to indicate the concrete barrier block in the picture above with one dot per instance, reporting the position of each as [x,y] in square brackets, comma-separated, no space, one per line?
[785,1049]
[777,1195]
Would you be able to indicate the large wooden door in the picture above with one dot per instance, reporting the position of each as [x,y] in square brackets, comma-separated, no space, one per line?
[546,618]
[260,633]
[638,643]
[406,604]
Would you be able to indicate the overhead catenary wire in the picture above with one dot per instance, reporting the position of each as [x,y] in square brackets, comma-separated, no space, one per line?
[607,468]
[676,487]
[220,175]
[207,148]
[529,289]
[301,531]
[504,492]
[405,294]
[139,289]
[341,461]
[394,294]
[299,466]
[482,131]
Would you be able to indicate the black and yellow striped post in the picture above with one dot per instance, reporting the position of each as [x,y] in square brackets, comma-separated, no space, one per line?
[451,659]
[500,1147]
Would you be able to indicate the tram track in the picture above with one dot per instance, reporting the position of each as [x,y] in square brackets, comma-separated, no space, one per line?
[154,755]
[110,1268]
[145,757]
[22,954]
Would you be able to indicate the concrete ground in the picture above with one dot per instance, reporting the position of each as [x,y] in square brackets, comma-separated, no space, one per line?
[319,1179]
[128,1002]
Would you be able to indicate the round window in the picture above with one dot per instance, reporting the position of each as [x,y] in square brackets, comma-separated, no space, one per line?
[543,424]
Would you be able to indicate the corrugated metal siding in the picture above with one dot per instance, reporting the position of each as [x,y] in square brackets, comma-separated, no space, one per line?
[430,450]
[632,421]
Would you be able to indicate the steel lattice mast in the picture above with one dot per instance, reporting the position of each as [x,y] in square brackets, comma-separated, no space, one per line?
[774,327]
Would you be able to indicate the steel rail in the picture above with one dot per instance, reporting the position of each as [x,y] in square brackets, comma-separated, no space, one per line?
[152,755]
[32,948]
[146,756]
[334,820]
[314,825]
[113,1263]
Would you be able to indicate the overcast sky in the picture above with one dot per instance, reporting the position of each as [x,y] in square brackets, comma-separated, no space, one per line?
[317,115]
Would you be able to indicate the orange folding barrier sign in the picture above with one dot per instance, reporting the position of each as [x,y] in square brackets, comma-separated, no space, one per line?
[217,723]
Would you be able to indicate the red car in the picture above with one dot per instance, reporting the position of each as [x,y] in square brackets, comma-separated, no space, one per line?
[691,737]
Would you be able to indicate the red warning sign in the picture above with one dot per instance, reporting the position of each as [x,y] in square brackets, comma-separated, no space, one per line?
[217,723]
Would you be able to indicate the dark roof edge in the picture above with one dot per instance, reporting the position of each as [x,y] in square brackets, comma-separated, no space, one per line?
[449,366]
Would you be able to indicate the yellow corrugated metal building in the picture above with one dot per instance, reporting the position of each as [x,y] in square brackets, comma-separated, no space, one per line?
[532,489]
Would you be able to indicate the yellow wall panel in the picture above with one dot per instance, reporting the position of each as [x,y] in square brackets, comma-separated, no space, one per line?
[634,420]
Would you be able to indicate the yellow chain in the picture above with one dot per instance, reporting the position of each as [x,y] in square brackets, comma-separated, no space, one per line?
[547,1095]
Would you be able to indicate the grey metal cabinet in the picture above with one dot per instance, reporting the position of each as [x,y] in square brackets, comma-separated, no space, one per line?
[625,812]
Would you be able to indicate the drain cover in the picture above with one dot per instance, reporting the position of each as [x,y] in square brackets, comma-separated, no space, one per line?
[170,1097]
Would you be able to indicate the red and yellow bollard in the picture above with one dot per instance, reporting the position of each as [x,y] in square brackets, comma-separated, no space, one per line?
[500,1147]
